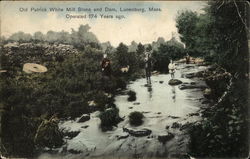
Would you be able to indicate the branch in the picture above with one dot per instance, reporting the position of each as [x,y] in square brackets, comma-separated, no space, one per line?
[220,5]
[240,16]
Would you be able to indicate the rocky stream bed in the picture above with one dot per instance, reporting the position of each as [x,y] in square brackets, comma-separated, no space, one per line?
[169,110]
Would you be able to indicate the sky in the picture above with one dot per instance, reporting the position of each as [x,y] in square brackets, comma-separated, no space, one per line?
[136,26]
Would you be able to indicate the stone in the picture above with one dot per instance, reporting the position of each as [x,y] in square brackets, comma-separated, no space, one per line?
[84,118]
[166,137]
[174,82]
[186,126]
[136,103]
[194,114]
[85,126]
[138,133]
[207,93]
[173,117]
[161,82]
[71,134]
[122,136]
[189,86]
[176,125]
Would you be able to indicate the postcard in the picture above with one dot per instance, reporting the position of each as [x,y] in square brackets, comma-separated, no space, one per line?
[124,79]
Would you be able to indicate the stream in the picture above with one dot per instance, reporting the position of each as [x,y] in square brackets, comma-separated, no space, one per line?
[167,111]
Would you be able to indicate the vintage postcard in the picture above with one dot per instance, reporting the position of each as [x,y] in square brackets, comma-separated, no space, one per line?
[124,79]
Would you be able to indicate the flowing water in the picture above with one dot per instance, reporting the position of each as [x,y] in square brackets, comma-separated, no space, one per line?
[161,104]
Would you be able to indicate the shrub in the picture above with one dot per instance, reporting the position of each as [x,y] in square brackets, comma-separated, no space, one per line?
[48,135]
[131,96]
[75,109]
[135,118]
[110,117]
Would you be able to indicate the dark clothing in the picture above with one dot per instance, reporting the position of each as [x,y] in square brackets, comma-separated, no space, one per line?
[106,67]
[187,59]
[148,67]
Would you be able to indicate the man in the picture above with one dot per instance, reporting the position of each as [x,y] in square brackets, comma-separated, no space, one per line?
[171,68]
[106,67]
[148,66]
[187,59]
[106,73]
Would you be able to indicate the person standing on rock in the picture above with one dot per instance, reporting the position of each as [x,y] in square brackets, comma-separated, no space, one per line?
[106,66]
[187,59]
[106,73]
[148,65]
[171,68]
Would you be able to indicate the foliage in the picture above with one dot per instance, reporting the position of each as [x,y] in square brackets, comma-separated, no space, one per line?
[48,135]
[223,132]
[79,38]
[131,96]
[165,53]
[110,117]
[135,118]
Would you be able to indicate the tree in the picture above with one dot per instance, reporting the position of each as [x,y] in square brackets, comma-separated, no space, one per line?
[140,49]
[20,37]
[186,24]
[38,36]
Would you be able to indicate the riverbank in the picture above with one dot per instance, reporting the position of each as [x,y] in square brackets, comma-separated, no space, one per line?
[223,130]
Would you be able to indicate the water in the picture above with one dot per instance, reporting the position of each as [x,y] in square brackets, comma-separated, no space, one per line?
[159,102]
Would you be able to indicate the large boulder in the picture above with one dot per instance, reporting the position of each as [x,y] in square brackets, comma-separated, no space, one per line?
[174,82]
[138,133]
[166,137]
[83,118]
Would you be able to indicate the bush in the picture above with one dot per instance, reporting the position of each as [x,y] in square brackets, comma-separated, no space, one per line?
[110,117]
[76,109]
[131,96]
[135,118]
[48,135]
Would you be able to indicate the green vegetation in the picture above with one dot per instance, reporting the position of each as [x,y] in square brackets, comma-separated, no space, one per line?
[110,117]
[48,135]
[220,36]
[131,96]
[135,118]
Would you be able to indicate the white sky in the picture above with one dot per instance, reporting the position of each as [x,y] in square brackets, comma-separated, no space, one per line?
[138,27]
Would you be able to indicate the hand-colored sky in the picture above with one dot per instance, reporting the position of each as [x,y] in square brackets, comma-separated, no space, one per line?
[139,27]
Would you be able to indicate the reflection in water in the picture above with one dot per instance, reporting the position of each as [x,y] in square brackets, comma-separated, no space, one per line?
[173,93]
[150,90]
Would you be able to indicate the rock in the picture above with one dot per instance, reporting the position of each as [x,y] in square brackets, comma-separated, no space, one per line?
[138,133]
[174,82]
[84,118]
[190,75]
[71,134]
[207,93]
[136,103]
[194,114]
[161,82]
[173,117]
[130,107]
[186,126]
[176,125]
[189,86]
[122,136]
[166,137]
[85,126]
[167,127]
